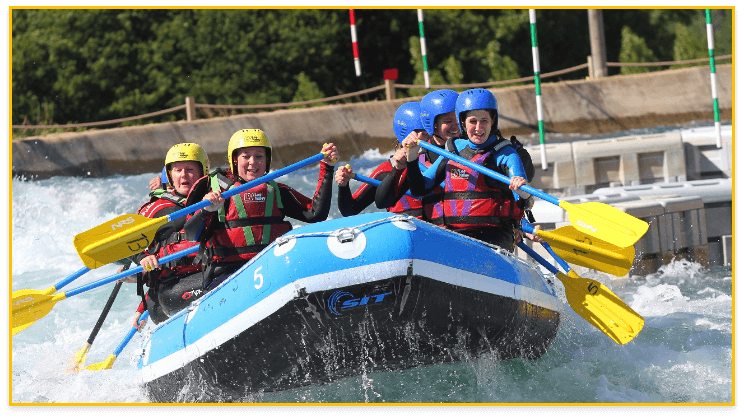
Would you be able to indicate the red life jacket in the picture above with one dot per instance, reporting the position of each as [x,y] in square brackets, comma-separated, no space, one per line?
[407,205]
[469,203]
[161,199]
[415,207]
[249,222]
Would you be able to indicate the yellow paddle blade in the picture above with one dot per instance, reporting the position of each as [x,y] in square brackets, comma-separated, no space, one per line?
[602,221]
[104,365]
[20,294]
[116,239]
[29,305]
[78,360]
[594,302]
[581,249]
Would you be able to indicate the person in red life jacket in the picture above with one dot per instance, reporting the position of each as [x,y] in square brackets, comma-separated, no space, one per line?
[407,121]
[475,204]
[437,116]
[184,164]
[234,231]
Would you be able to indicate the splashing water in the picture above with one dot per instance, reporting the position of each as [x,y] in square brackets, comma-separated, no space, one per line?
[684,353]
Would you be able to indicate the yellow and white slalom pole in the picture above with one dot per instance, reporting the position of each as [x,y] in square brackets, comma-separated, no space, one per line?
[713,84]
[536,67]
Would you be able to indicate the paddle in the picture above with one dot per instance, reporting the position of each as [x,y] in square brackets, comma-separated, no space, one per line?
[77,361]
[583,250]
[36,305]
[594,302]
[595,218]
[130,234]
[19,294]
[109,362]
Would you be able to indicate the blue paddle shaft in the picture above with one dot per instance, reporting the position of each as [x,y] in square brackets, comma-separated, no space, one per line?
[251,184]
[129,335]
[67,280]
[528,228]
[127,273]
[490,173]
[537,257]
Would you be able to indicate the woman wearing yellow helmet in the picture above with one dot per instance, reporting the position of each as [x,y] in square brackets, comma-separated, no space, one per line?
[234,231]
[184,164]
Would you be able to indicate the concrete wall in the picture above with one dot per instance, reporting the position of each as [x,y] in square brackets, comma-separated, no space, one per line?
[585,106]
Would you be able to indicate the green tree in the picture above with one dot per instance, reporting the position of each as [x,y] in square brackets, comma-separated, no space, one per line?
[307,90]
[633,49]
[79,65]
[501,67]
[690,43]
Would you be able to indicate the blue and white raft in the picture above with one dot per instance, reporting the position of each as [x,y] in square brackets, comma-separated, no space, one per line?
[345,297]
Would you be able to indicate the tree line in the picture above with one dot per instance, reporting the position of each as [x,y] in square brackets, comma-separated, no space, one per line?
[78,65]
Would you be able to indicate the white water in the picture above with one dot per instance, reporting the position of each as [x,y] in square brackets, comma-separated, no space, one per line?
[684,353]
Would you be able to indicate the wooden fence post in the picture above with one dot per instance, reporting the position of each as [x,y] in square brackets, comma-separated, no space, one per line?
[390,76]
[190,109]
[591,66]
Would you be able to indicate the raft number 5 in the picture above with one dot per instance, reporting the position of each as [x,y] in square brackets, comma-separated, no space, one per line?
[258,277]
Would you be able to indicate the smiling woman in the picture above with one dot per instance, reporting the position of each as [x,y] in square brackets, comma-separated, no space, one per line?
[250,162]
[184,164]
[478,125]
[233,231]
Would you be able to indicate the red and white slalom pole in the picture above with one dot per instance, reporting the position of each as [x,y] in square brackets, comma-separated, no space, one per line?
[354,46]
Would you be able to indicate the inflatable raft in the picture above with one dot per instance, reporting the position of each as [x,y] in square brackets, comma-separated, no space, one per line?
[345,297]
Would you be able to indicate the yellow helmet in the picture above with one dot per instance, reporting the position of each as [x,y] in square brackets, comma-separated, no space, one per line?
[186,152]
[248,138]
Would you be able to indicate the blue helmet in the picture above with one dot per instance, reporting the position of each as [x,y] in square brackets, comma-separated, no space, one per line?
[436,103]
[407,119]
[475,99]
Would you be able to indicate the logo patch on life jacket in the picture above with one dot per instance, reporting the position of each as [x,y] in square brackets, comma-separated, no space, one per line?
[253,197]
[459,173]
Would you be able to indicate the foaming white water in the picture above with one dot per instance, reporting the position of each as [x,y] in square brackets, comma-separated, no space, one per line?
[683,354]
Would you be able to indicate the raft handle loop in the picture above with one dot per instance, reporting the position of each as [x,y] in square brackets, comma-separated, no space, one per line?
[345,235]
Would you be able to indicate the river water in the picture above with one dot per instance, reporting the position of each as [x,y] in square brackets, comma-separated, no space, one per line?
[683,355]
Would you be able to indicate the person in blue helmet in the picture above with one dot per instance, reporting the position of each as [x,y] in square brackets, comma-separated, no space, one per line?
[406,122]
[438,119]
[475,204]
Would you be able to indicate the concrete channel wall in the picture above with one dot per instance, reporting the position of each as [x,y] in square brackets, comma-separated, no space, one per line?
[596,106]
[647,176]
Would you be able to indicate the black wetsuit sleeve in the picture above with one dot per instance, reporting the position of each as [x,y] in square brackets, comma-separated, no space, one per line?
[299,207]
[350,205]
[387,193]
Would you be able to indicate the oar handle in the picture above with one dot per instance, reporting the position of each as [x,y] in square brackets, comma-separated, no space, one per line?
[251,184]
[127,273]
[488,172]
